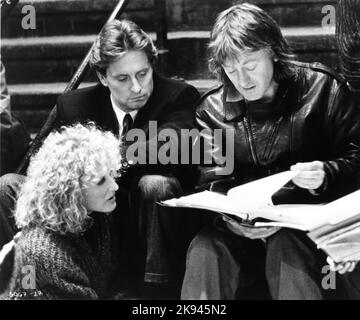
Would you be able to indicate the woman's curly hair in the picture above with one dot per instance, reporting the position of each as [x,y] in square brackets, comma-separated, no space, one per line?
[69,160]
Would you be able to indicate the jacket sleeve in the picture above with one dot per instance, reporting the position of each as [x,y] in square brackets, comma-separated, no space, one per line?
[342,127]
[4,93]
[52,122]
[213,170]
[341,132]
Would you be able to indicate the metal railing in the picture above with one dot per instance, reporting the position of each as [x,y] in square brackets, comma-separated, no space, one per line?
[161,35]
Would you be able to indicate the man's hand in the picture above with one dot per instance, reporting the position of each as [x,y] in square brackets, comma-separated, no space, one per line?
[249,232]
[342,267]
[311,174]
[211,174]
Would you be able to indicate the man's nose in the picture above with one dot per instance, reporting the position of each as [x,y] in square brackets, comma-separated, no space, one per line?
[135,86]
[244,78]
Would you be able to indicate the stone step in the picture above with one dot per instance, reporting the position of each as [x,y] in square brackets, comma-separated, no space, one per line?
[33,102]
[68,17]
[55,59]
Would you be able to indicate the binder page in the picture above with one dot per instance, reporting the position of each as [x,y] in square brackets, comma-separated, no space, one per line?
[209,201]
[258,193]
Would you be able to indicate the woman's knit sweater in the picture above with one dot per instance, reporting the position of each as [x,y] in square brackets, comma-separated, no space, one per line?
[53,266]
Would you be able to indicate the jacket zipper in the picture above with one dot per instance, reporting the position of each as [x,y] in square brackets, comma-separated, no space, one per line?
[272,137]
[250,140]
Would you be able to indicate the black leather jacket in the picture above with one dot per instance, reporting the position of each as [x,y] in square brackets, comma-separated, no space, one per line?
[313,117]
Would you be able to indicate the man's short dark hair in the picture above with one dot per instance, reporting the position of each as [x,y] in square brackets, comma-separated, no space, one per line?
[115,39]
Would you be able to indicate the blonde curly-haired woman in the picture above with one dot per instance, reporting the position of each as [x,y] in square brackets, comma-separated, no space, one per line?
[69,190]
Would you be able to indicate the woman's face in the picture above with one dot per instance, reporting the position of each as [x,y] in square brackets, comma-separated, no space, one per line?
[252,74]
[101,196]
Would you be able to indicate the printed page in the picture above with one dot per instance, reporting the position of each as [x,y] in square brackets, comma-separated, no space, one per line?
[310,217]
[336,211]
[258,193]
[343,208]
[240,200]
[343,245]
[207,200]
[297,216]
[281,225]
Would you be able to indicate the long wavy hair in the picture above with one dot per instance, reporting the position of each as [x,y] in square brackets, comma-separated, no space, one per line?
[69,161]
[246,27]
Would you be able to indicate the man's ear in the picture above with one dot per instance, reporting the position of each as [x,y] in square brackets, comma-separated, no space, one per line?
[102,78]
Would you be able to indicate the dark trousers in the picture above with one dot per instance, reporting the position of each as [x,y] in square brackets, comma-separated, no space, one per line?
[152,240]
[219,264]
[159,234]
[223,266]
[297,270]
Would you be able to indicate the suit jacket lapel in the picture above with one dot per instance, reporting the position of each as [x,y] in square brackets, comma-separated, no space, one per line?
[107,117]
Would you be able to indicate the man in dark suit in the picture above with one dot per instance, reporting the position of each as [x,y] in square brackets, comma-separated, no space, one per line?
[133,97]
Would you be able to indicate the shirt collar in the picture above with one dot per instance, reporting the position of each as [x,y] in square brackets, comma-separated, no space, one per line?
[120,114]
[233,103]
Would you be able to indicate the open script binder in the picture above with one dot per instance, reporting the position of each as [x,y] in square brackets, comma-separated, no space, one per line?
[334,227]
[251,201]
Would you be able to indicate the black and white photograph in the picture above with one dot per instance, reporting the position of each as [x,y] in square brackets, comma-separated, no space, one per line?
[180,155]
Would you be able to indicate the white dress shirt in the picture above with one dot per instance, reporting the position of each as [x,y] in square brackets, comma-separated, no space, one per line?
[120,115]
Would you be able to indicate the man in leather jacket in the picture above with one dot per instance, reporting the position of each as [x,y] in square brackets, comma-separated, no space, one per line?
[285,115]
